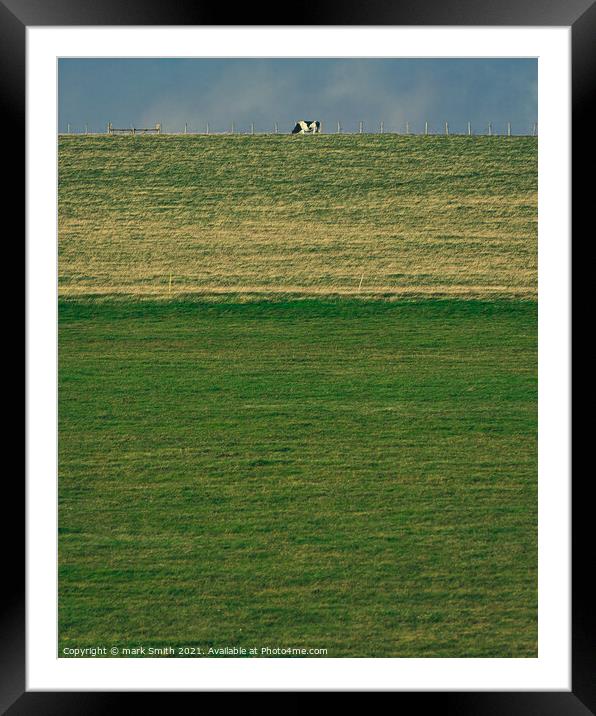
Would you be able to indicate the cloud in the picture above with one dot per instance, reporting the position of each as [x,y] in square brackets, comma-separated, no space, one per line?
[243,92]
[264,92]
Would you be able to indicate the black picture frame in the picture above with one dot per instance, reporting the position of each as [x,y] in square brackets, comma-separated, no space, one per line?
[15,16]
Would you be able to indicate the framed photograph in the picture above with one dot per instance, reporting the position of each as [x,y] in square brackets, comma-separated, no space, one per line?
[298,321]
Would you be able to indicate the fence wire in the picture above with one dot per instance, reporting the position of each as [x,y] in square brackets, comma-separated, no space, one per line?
[278,128]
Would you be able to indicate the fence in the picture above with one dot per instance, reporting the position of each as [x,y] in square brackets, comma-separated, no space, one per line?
[490,130]
[134,130]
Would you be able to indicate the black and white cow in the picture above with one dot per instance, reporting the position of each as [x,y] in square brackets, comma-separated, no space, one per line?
[303,127]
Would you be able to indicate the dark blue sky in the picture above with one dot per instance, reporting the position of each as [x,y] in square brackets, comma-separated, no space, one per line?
[221,91]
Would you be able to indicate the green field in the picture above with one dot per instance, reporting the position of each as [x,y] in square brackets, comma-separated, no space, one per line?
[406,216]
[320,432]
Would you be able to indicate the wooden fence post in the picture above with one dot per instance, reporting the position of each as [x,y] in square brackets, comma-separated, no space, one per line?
[469,129]
[446,128]
[490,129]
[508,129]
[361,127]
[426,128]
[407,127]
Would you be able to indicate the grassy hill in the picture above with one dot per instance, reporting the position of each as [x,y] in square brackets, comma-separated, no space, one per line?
[371,214]
[258,457]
